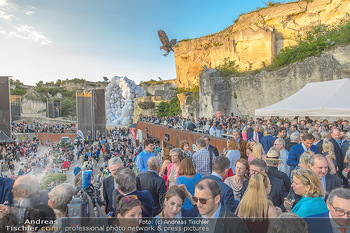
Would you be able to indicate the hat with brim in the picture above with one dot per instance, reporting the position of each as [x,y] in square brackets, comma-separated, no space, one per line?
[272,157]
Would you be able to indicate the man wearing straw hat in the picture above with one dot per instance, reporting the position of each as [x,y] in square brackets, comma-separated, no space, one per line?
[272,160]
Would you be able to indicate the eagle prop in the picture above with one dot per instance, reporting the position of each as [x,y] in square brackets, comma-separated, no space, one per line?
[166,45]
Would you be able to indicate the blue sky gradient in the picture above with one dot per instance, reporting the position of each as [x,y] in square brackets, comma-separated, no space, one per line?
[59,39]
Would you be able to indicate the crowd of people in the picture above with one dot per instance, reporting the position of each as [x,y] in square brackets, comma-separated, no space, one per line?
[36,127]
[273,176]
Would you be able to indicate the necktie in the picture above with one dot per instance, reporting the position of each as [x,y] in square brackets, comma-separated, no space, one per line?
[256,137]
[342,229]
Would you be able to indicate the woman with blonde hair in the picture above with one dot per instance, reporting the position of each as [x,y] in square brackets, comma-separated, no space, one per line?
[308,185]
[233,153]
[257,153]
[249,147]
[328,152]
[255,207]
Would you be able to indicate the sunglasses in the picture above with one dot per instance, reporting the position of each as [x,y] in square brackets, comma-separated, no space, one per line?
[201,200]
[127,199]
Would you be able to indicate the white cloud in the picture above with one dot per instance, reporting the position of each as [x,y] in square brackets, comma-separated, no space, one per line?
[28,32]
[9,12]
[30,13]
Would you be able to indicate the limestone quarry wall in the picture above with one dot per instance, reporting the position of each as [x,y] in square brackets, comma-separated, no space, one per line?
[165,90]
[255,38]
[242,95]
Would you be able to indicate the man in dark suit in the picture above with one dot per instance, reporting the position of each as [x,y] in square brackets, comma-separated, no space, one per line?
[220,170]
[6,185]
[337,219]
[210,148]
[337,149]
[345,145]
[207,194]
[255,135]
[297,150]
[319,164]
[278,190]
[318,142]
[250,127]
[272,160]
[108,184]
[242,143]
[293,140]
[152,182]
[126,185]
[268,140]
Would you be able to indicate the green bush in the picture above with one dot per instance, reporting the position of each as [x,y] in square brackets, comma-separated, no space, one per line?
[52,180]
[319,39]
[171,108]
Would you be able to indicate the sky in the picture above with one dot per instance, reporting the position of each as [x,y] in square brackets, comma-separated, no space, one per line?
[65,39]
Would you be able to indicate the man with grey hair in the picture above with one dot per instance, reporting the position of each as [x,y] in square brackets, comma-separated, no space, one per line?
[152,182]
[256,135]
[108,184]
[318,142]
[59,198]
[125,179]
[319,164]
[337,220]
[26,192]
[203,160]
[335,140]
[294,140]
[268,140]
[283,166]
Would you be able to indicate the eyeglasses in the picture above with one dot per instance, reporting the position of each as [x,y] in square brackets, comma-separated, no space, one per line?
[340,212]
[201,200]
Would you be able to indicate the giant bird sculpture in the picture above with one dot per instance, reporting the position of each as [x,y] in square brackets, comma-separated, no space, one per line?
[166,45]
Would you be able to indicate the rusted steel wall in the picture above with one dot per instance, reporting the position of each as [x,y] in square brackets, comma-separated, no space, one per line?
[176,135]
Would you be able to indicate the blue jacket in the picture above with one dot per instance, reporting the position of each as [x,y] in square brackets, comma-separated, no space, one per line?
[319,223]
[251,136]
[5,189]
[267,142]
[227,197]
[295,152]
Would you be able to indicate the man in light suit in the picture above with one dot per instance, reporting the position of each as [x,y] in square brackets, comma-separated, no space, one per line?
[108,184]
[297,150]
[220,170]
[319,164]
[255,135]
[337,219]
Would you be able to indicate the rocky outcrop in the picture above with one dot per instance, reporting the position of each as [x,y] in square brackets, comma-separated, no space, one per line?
[245,94]
[164,89]
[255,38]
[139,110]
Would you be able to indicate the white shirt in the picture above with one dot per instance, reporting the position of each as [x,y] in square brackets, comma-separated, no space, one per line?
[335,226]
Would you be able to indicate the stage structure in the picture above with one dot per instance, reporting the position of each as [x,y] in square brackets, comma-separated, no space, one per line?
[5,108]
[91,112]
[53,109]
[16,108]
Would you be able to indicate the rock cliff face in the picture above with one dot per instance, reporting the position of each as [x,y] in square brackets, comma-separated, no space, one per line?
[166,89]
[255,38]
[245,94]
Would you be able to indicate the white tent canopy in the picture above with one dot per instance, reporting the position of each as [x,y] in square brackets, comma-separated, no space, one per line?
[329,98]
